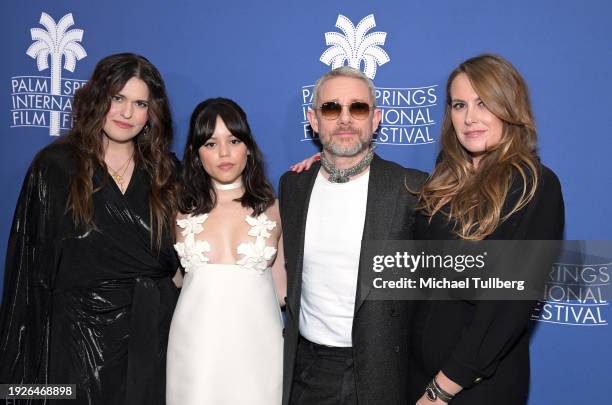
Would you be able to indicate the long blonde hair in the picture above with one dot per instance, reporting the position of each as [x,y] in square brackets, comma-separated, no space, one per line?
[473,199]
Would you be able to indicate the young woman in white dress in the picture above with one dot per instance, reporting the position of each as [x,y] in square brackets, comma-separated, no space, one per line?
[226,344]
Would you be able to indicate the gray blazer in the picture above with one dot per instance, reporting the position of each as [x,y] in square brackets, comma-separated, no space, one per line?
[380,328]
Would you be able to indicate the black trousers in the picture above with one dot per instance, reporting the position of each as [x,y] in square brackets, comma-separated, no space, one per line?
[323,375]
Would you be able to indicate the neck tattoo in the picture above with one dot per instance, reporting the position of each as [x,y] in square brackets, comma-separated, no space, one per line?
[342,175]
[231,186]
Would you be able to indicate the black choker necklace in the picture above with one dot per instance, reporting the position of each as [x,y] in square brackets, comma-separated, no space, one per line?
[342,175]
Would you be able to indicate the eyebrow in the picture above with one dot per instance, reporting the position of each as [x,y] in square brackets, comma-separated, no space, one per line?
[462,100]
[138,100]
[353,100]
[229,136]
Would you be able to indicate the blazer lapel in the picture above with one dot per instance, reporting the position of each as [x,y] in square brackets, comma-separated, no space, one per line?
[301,201]
[380,207]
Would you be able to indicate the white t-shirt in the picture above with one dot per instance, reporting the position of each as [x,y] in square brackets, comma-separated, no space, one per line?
[332,246]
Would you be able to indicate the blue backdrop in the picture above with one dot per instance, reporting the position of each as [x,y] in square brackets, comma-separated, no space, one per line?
[267,55]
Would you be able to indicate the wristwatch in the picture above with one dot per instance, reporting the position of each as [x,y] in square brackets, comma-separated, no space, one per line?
[433,392]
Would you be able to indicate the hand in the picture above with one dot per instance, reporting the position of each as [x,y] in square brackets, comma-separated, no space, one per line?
[305,164]
[424,401]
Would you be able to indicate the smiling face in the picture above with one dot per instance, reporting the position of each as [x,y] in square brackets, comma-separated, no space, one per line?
[345,135]
[477,129]
[223,155]
[128,112]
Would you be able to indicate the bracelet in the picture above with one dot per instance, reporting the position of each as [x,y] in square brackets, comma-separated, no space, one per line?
[433,392]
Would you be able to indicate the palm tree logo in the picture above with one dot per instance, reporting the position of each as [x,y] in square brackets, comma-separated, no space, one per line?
[356,45]
[56,42]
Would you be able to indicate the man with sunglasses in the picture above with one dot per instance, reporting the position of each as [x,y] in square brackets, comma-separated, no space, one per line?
[339,347]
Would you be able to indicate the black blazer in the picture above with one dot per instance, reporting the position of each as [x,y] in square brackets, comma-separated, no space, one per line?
[380,328]
[484,345]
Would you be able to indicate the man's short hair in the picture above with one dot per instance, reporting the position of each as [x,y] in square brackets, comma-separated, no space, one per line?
[343,71]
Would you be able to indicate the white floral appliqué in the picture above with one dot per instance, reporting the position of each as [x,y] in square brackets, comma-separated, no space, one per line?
[191,224]
[260,226]
[256,255]
[191,251]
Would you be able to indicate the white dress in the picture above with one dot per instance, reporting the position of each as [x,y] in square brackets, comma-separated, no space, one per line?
[225,344]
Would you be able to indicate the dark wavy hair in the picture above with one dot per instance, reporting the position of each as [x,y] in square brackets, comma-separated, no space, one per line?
[197,192]
[152,145]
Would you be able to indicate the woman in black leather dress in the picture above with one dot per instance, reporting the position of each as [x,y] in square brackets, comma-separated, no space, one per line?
[88,292]
[488,183]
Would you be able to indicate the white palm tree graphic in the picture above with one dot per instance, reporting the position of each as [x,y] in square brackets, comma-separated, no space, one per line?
[56,42]
[355,46]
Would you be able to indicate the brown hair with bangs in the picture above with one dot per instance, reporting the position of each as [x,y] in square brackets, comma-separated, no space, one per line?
[473,198]
[152,145]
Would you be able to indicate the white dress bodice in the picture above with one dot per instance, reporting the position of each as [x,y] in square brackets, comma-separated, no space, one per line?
[256,254]
[225,344]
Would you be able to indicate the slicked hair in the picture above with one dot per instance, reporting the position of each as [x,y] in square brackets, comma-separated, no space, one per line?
[343,71]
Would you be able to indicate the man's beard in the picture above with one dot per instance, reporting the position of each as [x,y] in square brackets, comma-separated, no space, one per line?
[349,150]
